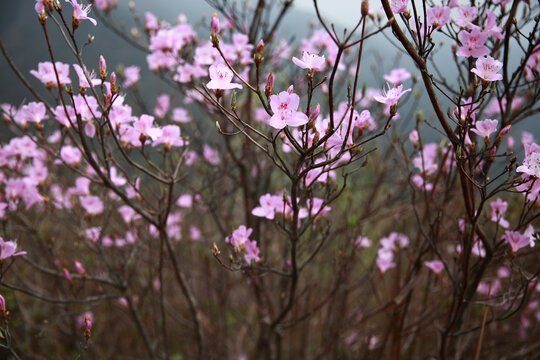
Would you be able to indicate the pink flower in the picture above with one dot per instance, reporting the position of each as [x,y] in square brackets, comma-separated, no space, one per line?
[33,112]
[195,233]
[467,110]
[127,213]
[491,27]
[45,73]
[180,115]
[163,105]
[364,121]
[530,232]
[498,209]
[530,188]
[472,44]
[397,76]
[268,205]
[160,60]
[487,68]
[116,178]
[385,260]
[531,163]
[151,22]
[242,48]
[251,251]
[170,136]
[132,74]
[399,6]
[205,54]
[310,61]
[516,240]
[93,234]
[391,96]
[467,14]
[92,204]
[526,138]
[485,128]
[185,201]
[362,242]
[425,162]
[285,108]
[80,12]
[533,65]
[221,77]
[438,15]
[421,183]
[435,265]
[145,128]
[316,208]
[83,82]
[105,5]
[239,236]
[7,249]
[211,155]
[71,155]
[503,272]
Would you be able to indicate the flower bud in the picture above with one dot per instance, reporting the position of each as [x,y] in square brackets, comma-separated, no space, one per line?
[315,114]
[258,55]
[75,22]
[42,17]
[316,137]
[87,326]
[260,47]
[114,90]
[67,275]
[80,269]
[290,89]
[269,88]
[102,68]
[502,133]
[413,137]
[505,130]
[492,153]
[364,9]
[214,24]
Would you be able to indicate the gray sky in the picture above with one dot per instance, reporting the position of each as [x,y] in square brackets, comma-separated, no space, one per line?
[346,12]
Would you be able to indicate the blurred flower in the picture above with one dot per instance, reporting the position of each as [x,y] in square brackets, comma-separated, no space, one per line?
[310,61]
[7,249]
[221,77]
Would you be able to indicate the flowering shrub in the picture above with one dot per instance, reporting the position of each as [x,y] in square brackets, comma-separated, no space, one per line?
[271,205]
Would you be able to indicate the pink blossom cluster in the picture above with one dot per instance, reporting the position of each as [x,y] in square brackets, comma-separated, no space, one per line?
[242,243]
[427,164]
[270,205]
[389,245]
[168,41]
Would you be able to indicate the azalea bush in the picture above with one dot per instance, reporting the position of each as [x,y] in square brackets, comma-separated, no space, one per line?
[270,204]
